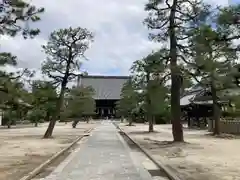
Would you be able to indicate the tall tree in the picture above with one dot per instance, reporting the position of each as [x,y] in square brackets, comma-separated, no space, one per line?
[170,22]
[213,60]
[228,21]
[15,17]
[8,80]
[128,103]
[211,54]
[157,93]
[64,50]
[11,86]
[151,73]
[5,59]
[36,115]
[11,100]
[44,97]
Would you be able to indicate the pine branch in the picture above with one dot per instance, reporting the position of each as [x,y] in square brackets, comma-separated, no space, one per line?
[151,26]
[186,61]
[225,39]
[164,78]
[167,3]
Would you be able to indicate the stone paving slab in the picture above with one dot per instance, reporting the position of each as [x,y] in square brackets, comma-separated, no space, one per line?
[104,156]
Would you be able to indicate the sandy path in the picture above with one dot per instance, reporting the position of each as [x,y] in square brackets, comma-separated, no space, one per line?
[203,157]
[23,149]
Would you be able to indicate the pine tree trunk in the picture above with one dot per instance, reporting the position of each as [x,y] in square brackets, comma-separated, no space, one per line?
[150,125]
[176,81]
[52,123]
[148,100]
[9,124]
[87,119]
[47,118]
[216,110]
[130,121]
[74,124]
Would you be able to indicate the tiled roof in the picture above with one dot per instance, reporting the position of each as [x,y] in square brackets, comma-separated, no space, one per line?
[106,87]
[186,100]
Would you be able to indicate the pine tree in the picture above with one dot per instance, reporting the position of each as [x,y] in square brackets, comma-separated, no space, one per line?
[16,16]
[80,103]
[65,49]
[212,56]
[151,73]
[169,23]
[129,102]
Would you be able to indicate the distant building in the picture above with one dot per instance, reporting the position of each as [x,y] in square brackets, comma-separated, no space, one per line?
[107,92]
[197,104]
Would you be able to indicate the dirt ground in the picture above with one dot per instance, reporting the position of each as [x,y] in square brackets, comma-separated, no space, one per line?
[23,149]
[202,157]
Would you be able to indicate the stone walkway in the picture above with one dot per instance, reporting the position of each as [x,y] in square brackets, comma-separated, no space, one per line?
[104,156]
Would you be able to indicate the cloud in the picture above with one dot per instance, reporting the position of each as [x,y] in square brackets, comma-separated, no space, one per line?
[120,37]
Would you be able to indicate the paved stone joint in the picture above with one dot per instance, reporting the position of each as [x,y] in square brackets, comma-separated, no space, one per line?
[102,157]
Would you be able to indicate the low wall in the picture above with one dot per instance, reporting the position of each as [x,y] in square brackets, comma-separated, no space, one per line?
[229,126]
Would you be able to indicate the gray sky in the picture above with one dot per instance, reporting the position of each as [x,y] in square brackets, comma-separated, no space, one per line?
[120,37]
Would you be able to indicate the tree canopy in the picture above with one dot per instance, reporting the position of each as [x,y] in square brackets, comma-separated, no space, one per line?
[128,104]
[191,31]
[80,102]
[65,50]
[16,16]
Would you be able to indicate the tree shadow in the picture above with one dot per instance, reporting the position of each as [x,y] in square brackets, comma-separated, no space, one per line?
[166,144]
[190,170]
[130,125]
[222,135]
[143,132]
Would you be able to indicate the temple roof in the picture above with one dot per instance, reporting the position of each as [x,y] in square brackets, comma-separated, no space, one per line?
[106,87]
[200,95]
[104,77]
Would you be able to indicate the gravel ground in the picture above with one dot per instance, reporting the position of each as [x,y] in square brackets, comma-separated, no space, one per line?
[201,157]
[23,149]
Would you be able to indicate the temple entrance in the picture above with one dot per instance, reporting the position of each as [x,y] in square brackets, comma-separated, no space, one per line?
[105,108]
[105,111]
[107,91]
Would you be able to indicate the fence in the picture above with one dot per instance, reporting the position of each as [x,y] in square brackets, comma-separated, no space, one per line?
[229,126]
